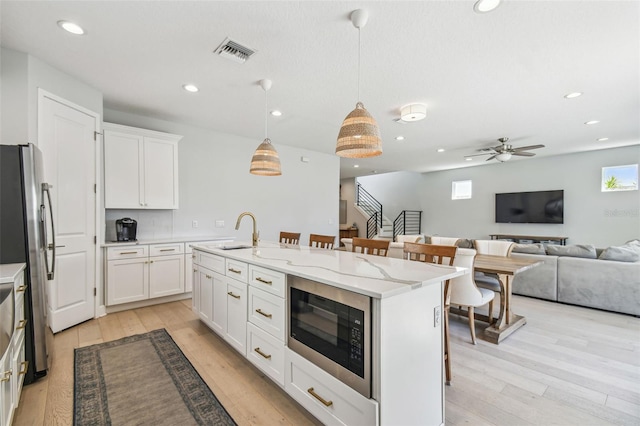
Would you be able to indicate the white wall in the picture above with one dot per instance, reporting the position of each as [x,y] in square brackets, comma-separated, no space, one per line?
[590,216]
[13,97]
[399,190]
[215,184]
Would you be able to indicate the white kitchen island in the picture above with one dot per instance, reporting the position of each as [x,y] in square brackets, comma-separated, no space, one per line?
[242,294]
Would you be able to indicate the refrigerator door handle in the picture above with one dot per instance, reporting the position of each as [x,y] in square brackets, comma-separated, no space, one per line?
[45,188]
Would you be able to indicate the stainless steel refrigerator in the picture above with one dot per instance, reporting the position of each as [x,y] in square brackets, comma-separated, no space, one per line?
[25,220]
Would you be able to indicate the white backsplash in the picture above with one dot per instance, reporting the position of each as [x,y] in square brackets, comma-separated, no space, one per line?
[152,224]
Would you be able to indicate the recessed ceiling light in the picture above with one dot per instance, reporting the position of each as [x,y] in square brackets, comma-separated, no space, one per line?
[190,88]
[399,138]
[484,6]
[602,139]
[468,159]
[573,95]
[440,150]
[592,122]
[71,27]
[356,166]
[276,113]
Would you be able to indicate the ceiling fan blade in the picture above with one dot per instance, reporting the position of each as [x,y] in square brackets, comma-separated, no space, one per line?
[523,154]
[528,148]
[492,157]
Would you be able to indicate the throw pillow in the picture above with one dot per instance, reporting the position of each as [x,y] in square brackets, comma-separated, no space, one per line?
[578,250]
[624,253]
[464,243]
[529,248]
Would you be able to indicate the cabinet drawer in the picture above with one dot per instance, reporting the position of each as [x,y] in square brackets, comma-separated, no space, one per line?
[210,261]
[127,252]
[267,280]
[342,405]
[237,270]
[166,249]
[267,312]
[266,353]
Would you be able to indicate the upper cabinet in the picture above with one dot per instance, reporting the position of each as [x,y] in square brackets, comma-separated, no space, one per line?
[140,168]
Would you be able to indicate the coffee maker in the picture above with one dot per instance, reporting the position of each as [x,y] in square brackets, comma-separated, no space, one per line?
[126,229]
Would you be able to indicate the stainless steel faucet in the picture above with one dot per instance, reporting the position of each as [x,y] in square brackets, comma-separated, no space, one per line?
[256,234]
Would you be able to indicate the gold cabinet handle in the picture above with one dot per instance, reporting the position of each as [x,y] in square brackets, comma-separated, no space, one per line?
[22,324]
[7,376]
[193,256]
[262,280]
[263,314]
[168,249]
[319,398]
[25,367]
[262,353]
[128,252]
[195,270]
[235,271]
[208,276]
[21,289]
[235,296]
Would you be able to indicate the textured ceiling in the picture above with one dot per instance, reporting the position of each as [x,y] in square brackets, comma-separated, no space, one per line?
[482,76]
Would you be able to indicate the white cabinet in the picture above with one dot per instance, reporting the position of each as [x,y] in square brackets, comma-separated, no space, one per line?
[143,272]
[140,168]
[190,256]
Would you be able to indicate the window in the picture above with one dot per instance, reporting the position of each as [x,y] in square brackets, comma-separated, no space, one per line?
[461,190]
[620,178]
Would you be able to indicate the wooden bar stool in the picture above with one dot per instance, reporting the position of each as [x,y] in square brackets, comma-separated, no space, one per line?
[322,241]
[290,237]
[440,255]
[366,246]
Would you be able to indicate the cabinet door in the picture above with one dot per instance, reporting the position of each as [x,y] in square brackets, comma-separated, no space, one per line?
[195,292]
[237,315]
[123,183]
[219,321]
[127,280]
[205,282]
[6,380]
[166,275]
[188,272]
[160,174]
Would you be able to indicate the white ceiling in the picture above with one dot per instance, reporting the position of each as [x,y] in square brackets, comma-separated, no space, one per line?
[482,76]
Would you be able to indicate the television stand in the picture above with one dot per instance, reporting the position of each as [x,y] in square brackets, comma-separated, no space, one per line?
[535,239]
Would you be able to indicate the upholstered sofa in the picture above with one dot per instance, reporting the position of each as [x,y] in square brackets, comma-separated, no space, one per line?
[595,282]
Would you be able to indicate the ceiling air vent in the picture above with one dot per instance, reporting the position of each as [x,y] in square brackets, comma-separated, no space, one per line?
[234,51]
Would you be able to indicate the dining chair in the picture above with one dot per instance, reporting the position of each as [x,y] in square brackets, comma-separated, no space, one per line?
[440,255]
[290,237]
[366,246]
[322,241]
[463,290]
[494,248]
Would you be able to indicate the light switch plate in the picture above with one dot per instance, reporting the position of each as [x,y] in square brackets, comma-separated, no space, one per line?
[436,316]
[219,223]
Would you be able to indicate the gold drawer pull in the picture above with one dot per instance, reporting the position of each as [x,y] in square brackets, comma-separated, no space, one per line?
[168,249]
[319,398]
[21,289]
[262,353]
[235,296]
[128,252]
[263,314]
[235,271]
[262,280]
[22,324]
[195,270]
[208,276]
[7,376]
[193,256]
[25,365]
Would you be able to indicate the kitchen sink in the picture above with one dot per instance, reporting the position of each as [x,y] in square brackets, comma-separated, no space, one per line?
[235,247]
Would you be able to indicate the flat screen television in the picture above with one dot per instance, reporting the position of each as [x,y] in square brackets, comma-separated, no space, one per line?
[530,207]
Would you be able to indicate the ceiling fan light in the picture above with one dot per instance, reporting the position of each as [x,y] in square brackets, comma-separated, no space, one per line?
[265,161]
[504,156]
[484,6]
[359,135]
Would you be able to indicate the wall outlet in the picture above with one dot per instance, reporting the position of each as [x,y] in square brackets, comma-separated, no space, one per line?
[194,224]
[330,221]
[436,316]
[219,223]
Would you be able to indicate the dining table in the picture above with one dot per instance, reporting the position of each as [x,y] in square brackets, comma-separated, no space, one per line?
[506,268]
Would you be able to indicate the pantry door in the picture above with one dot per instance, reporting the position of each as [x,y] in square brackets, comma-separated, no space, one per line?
[67,137]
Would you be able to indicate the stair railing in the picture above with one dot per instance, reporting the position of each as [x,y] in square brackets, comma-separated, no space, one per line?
[370,206]
[372,225]
[408,222]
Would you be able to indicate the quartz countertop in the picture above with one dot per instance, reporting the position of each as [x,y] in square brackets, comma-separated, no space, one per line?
[374,276]
[167,240]
[10,271]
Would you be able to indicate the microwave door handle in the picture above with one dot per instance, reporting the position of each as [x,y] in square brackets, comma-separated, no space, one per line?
[46,188]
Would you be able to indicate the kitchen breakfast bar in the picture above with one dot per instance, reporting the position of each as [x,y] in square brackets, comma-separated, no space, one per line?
[355,339]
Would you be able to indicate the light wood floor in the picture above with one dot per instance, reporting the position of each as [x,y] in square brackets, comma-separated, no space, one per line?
[567,366]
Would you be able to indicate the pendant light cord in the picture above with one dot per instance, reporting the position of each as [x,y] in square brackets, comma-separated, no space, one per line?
[266,115]
[359,48]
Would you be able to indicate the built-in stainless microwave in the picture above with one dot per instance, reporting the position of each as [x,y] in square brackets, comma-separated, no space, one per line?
[331,327]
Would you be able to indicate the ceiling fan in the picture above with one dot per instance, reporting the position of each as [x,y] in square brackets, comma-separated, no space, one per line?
[504,151]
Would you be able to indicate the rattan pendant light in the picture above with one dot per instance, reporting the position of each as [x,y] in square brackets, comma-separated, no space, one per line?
[265,161]
[359,135]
